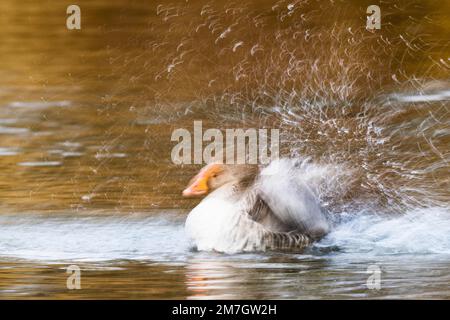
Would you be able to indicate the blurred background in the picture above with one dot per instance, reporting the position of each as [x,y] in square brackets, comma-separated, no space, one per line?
[86,118]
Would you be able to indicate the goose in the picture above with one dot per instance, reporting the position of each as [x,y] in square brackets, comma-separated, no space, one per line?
[247,208]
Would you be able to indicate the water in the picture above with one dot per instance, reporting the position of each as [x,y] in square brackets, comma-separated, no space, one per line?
[149,255]
[85,124]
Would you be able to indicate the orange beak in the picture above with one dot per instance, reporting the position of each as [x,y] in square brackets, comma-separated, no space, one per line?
[198,187]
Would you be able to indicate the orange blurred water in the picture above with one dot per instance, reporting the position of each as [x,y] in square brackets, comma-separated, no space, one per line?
[86,118]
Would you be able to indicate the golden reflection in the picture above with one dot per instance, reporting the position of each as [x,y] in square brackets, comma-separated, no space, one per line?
[86,118]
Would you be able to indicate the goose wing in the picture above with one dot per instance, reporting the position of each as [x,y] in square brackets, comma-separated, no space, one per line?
[289,202]
[260,212]
[274,233]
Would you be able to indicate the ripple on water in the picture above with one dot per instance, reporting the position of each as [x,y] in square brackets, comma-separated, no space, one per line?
[418,232]
[110,155]
[13,130]
[40,163]
[93,238]
[39,104]
[8,121]
[358,238]
[66,154]
[6,151]
[398,245]
[69,144]
[72,154]
[438,96]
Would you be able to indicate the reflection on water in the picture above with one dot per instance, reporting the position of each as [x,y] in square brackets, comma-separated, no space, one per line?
[86,118]
[148,256]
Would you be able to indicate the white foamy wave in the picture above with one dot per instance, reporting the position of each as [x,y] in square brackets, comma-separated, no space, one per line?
[421,231]
[161,238]
[75,238]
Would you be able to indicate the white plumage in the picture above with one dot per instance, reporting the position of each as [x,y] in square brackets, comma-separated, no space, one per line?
[252,210]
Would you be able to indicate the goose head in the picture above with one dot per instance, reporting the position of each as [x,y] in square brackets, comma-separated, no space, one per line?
[215,175]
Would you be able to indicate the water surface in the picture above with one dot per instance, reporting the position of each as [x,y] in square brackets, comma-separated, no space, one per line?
[86,118]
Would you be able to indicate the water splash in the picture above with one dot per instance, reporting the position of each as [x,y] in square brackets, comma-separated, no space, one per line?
[161,238]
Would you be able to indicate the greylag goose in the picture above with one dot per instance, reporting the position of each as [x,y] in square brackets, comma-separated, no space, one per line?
[251,209]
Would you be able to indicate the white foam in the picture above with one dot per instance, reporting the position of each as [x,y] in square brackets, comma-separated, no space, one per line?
[419,234]
[421,231]
[74,238]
